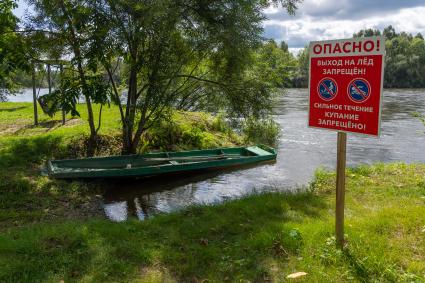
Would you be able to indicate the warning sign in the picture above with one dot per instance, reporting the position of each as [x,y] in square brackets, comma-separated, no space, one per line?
[346,80]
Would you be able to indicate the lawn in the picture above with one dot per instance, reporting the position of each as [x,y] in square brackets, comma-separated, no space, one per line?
[259,238]
[183,130]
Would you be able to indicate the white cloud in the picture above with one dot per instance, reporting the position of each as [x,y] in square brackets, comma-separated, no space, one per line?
[333,19]
[312,22]
[295,51]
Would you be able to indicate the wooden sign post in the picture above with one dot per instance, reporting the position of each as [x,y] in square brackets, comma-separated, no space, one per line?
[345,86]
[340,188]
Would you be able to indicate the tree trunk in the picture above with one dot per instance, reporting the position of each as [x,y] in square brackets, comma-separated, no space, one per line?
[49,78]
[34,96]
[75,44]
[136,140]
[91,146]
[63,110]
[128,144]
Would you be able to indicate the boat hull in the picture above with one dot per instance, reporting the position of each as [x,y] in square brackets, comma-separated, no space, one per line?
[154,164]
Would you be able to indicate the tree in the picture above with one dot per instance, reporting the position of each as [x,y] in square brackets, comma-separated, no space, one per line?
[300,78]
[367,32]
[13,57]
[389,32]
[284,46]
[67,28]
[183,54]
[405,60]
[273,65]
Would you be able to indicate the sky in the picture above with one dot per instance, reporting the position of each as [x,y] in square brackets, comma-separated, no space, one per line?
[334,19]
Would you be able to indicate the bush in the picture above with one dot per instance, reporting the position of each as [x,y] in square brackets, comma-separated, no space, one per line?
[190,130]
[263,131]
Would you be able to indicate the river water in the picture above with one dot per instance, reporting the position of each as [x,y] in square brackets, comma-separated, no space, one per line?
[301,150]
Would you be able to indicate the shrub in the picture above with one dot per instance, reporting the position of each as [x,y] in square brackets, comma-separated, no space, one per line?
[262,131]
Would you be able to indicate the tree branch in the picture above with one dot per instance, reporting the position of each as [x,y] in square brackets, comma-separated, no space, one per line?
[100,119]
[117,97]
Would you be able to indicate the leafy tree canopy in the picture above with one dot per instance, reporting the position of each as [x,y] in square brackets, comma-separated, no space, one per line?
[12,48]
[164,54]
[185,54]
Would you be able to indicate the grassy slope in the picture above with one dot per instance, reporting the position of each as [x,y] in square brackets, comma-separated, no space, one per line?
[186,130]
[258,238]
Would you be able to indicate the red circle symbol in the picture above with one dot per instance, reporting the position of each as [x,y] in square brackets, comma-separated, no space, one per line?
[327,89]
[359,90]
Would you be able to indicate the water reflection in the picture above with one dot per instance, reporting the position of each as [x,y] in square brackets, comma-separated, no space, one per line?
[116,211]
[143,198]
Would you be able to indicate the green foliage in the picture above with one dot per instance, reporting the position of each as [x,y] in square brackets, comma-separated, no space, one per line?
[190,130]
[263,131]
[190,59]
[273,65]
[369,32]
[66,96]
[301,74]
[186,55]
[13,57]
[65,29]
[284,46]
[404,59]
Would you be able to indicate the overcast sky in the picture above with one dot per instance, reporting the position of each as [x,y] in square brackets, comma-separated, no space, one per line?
[333,19]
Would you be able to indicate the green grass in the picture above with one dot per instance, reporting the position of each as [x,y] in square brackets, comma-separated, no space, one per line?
[257,238]
[185,130]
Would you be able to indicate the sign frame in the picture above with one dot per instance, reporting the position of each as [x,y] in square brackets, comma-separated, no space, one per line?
[381,38]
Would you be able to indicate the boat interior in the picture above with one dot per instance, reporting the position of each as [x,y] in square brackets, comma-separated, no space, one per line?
[156,159]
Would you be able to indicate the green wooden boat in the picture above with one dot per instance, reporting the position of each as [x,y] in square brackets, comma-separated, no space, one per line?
[152,164]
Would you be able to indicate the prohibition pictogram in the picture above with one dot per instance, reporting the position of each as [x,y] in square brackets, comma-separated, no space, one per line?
[359,90]
[327,89]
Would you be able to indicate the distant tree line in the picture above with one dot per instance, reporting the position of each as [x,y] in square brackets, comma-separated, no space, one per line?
[404,60]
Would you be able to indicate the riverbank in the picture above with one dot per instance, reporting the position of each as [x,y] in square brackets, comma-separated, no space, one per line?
[184,130]
[27,197]
[259,238]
